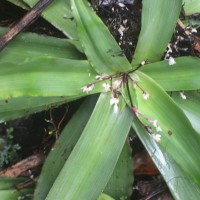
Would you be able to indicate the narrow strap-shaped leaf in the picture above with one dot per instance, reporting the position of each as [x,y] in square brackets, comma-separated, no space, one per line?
[100,47]
[182,187]
[58,156]
[178,138]
[92,161]
[30,45]
[159,18]
[46,77]
[19,107]
[190,106]
[121,181]
[59,15]
[184,75]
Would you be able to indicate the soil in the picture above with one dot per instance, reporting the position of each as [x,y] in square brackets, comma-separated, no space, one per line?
[32,132]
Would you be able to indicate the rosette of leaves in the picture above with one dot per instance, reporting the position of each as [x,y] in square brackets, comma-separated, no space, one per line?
[132,96]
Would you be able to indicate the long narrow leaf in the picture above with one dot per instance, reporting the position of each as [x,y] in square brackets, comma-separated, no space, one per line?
[19,107]
[190,106]
[184,75]
[92,161]
[59,15]
[100,47]
[178,138]
[45,77]
[30,45]
[180,184]
[58,156]
[158,22]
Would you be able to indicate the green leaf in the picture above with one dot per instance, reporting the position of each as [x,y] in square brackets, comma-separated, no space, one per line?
[59,15]
[22,106]
[97,152]
[60,153]
[157,29]
[121,181]
[9,192]
[178,138]
[30,45]
[191,6]
[190,106]
[19,3]
[105,197]
[180,184]
[184,75]
[46,77]
[105,56]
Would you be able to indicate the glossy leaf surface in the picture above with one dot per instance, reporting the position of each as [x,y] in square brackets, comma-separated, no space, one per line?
[105,56]
[184,75]
[182,187]
[157,29]
[29,45]
[98,148]
[190,106]
[46,77]
[178,138]
[60,153]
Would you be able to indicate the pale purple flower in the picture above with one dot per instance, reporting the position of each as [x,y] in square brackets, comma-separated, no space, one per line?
[117,83]
[183,96]
[158,129]
[156,137]
[88,88]
[114,100]
[145,95]
[153,122]
[171,61]
[106,87]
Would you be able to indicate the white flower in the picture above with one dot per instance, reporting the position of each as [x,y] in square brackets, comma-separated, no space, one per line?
[121,30]
[153,122]
[158,129]
[183,95]
[145,95]
[134,84]
[88,88]
[171,61]
[194,30]
[114,100]
[116,108]
[106,87]
[117,83]
[156,137]
[142,63]
[98,77]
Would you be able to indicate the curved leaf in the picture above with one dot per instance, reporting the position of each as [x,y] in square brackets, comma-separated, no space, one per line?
[190,107]
[19,107]
[59,15]
[58,156]
[45,77]
[180,184]
[184,75]
[30,45]
[178,138]
[105,56]
[157,29]
[97,152]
